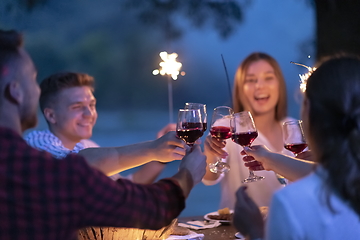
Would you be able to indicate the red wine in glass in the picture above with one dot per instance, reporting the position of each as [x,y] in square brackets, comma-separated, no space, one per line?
[295,148]
[244,134]
[194,126]
[222,123]
[220,132]
[294,139]
[189,126]
[244,139]
[189,135]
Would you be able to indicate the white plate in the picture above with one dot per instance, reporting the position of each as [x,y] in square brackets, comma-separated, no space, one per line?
[239,235]
[216,213]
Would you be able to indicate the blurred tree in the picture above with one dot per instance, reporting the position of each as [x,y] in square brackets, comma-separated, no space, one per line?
[337,20]
[106,46]
[338,29]
[162,14]
[29,5]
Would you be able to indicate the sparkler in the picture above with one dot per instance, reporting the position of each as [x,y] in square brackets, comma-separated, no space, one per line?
[171,67]
[304,77]
[227,79]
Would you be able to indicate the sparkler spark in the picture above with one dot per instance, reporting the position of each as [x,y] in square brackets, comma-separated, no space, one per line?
[304,77]
[169,65]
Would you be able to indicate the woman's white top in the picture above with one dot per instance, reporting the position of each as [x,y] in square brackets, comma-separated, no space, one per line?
[300,212]
[261,191]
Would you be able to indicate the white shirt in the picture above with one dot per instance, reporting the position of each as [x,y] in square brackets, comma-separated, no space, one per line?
[300,212]
[261,191]
[45,140]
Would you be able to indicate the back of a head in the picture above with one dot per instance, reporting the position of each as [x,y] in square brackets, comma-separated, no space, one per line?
[333,91]
[52,86]
[10,43]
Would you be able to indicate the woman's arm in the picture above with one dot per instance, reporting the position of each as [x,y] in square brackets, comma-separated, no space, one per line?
[213,150]
[289,167]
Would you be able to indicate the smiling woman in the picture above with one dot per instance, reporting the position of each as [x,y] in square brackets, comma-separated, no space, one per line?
[259,87]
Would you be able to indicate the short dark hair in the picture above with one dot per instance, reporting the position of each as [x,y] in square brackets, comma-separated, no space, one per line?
[10,43]
[52,85]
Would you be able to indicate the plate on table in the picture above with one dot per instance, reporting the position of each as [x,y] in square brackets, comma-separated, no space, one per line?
[217,216]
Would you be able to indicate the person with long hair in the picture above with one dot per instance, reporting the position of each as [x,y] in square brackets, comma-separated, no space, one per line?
[259,87]
[326,203]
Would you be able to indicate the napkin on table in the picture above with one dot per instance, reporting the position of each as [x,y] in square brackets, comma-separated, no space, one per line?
[191,236]
[198,225]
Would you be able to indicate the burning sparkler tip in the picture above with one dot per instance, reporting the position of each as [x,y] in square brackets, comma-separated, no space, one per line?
[304,77]
[169,65]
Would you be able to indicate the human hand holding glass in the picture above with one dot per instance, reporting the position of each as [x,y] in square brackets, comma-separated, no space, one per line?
[189,126]
[294,139]
[222,123]
[244,134]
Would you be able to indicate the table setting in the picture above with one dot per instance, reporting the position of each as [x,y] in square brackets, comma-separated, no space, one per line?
[207,228]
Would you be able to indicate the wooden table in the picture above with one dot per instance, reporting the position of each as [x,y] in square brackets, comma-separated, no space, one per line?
[222,232]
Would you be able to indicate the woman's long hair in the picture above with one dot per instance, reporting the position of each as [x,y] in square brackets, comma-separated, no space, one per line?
[333,91]
[238,96]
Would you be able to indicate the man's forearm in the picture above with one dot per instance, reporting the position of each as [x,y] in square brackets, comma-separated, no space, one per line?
[148,173]
[185,181]
[112,160]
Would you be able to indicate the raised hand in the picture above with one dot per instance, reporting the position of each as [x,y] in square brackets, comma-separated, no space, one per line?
[247,216]
[195,163]
[306,155]
[258,158]
[288,167]
[215,147]
[169,127]
[169,147]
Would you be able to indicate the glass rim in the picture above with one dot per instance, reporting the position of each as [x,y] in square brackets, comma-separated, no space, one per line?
[199,104]
[292,122]
[218,107]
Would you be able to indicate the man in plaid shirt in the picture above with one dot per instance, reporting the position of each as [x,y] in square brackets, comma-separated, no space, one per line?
[43,198]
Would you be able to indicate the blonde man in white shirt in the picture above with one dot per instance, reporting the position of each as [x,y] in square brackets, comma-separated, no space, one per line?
[69,107]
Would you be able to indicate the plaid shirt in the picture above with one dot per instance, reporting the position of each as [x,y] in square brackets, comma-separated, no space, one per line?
[42,198]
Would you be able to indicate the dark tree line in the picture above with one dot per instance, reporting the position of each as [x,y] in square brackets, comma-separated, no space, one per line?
[338,28]
[337,21]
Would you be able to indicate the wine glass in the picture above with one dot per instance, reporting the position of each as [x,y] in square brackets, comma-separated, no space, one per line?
[222,123]
[202,108]
[244,134]
[189,126]
[294,139]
